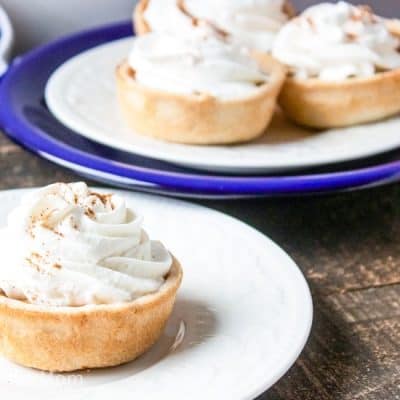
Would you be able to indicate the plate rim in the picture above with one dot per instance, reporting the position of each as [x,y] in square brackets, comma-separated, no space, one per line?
[294,272]
[40,141]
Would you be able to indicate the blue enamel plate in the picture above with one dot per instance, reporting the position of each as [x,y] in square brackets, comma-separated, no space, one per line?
[25,119]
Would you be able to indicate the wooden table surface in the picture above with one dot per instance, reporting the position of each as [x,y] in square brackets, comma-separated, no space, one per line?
[348,247]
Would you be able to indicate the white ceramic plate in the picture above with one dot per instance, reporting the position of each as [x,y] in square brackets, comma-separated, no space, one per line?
[6,40]
[243,315]
[81,93]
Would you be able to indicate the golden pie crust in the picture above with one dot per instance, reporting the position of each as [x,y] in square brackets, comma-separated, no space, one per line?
[318,104]
[141,27]
[199,118]
[60,339]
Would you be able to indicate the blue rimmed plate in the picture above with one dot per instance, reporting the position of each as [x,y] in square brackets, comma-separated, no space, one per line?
[82,94]
[26,119]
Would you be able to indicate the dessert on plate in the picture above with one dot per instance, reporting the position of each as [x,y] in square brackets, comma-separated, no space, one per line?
[250,23]
[197,88]
[344,66]
[81,283]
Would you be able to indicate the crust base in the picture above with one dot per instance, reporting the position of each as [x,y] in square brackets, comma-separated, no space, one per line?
[61,339]
[199,119]
[318,104]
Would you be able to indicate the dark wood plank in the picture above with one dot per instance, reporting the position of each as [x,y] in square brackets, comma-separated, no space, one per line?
[18,168]
[351,354]
[343,242]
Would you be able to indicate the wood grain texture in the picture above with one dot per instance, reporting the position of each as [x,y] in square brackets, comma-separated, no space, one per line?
[349,249]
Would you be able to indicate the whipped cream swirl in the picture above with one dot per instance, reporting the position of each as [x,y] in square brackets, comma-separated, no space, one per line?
[199,63]
[65,245]
[334,42]
[253,23]
[167,16]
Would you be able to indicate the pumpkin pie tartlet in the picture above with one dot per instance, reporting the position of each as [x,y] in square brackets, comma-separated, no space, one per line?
[344,66]
[83,286]
[197,89]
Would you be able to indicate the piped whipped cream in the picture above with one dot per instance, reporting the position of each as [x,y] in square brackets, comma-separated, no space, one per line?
[334,42]
[253,23]
[168,16]
[66,245]
[199,63]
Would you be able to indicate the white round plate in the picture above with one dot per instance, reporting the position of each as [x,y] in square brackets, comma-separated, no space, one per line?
[81,94]
[242,316]
[6,40]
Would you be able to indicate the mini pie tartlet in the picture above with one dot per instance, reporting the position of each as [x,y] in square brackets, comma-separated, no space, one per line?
[61,339]
[199,118]
[320,104]
[85,287]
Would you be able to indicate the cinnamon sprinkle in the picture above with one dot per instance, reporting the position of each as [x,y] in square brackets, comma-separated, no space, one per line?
[364,12]
[104,198]
[89,213]
[351,36]
[197,22]
[48,227]
[36,255]
[182,8]
[32,263]
[288,9]
[311,23]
